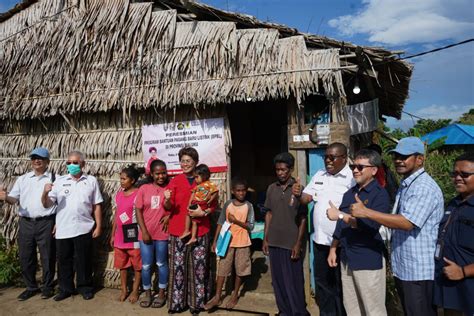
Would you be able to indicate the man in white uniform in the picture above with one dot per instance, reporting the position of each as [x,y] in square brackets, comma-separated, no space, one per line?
[327,184]
[78,221]
[36,225]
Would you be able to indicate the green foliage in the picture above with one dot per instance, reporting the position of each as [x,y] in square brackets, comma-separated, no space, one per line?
[467,118]
[9,263]
[423,127]
[438,164]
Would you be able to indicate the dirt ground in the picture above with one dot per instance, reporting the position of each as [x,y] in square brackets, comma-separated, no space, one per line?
[256,299]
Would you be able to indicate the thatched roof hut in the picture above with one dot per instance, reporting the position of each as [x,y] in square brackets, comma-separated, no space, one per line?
[88,74]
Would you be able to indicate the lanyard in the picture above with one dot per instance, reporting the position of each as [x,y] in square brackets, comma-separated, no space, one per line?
[440,242]
[449,221]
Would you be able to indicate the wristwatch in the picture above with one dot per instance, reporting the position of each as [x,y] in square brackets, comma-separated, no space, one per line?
[341,216]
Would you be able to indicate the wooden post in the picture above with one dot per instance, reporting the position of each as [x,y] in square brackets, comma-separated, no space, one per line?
[301,164]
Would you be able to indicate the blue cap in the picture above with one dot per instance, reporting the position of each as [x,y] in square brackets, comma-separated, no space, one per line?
[40,151]
[409,146]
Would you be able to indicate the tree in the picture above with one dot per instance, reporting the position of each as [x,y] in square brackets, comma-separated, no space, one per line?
[425,126]
[467,118]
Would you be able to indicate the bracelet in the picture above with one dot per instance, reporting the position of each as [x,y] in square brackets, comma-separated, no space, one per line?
[463,272]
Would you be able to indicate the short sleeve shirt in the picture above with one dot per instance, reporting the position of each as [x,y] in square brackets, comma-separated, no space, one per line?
[124,214]
[203,191]
[362,247]
[150,199]
[182,188]
[75,201]
[28,190]
[325,187]
[420,201]
[284,226]
[240,235]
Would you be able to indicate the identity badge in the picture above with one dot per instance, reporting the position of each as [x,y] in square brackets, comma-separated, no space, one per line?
[124,217]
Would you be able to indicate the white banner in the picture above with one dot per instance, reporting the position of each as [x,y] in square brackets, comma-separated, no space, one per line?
[163,141]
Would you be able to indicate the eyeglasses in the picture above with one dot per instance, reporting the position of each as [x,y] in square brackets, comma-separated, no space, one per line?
[397,156]
[462,174]
[186,161]
[359,167]
[72,162]
[37,158]
[332,157]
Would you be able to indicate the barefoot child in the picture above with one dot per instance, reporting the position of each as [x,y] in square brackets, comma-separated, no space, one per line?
[239,213]
[204,194]
[126,254]
[152,204]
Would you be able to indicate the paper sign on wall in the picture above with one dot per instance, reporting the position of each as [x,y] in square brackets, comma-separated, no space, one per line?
[163,141]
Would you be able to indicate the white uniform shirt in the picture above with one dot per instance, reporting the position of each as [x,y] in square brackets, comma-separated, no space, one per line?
[75,200]
[325,187]
[28,189]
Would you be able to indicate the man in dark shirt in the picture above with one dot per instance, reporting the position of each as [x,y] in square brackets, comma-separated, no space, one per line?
[362,261]
[285,225]
[454,255]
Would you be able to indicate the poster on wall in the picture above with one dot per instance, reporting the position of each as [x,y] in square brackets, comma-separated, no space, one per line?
[163,141]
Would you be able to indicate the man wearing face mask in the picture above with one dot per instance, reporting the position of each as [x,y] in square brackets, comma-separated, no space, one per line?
[328,184]
[415,218]
[36,225]
[78,221]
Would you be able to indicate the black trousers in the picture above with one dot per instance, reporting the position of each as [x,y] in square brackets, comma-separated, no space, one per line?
[416,297]
[328,283]
[33,234]
[75,255]
[287,282]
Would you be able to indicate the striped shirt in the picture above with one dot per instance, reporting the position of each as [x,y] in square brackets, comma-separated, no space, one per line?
[420,201]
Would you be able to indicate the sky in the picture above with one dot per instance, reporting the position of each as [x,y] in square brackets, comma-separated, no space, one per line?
[442,84]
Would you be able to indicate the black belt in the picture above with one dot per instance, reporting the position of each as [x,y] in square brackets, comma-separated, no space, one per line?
[37,219]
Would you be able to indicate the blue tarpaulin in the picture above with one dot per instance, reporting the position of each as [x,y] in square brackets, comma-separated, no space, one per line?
[456,134]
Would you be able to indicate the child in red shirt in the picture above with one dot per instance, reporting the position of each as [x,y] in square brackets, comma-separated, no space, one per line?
[152,205]
[126,254]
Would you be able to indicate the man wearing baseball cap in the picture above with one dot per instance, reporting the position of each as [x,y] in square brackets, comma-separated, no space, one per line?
[36,225]
[414,221]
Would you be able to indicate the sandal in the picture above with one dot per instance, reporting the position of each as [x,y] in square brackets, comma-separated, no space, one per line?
[146,301]
[158,302]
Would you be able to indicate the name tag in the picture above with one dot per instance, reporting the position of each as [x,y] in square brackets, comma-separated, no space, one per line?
[155,201]
[66,185]
[319,183]
[124,218]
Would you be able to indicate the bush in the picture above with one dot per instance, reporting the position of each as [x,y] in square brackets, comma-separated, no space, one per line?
[9,263]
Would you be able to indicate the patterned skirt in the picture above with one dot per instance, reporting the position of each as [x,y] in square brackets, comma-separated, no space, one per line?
[189,282]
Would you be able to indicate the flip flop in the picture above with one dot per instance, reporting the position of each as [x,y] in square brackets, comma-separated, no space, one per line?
[158,302]
[146,302]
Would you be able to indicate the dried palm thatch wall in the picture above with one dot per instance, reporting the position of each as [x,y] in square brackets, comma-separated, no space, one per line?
[88,75]
[98,56]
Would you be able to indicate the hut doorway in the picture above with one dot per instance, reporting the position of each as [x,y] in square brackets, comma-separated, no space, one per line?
[259,132]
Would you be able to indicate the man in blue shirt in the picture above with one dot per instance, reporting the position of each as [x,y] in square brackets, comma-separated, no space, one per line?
[362,261]
[415,218]
[454,276]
